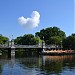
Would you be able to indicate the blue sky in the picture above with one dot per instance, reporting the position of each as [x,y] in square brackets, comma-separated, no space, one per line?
[58,13]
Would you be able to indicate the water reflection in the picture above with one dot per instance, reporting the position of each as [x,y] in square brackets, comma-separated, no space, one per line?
[41,65]
[58,64]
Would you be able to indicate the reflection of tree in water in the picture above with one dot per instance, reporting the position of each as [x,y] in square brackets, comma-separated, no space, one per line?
[55,64]
[27,53]
[69,62]
[30,62]
[52,64]
[48,64]
[45,64]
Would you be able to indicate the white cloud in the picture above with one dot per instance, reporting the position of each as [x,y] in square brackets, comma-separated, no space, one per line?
[30,23]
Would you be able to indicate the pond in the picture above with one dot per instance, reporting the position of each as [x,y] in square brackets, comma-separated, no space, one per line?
[38,65]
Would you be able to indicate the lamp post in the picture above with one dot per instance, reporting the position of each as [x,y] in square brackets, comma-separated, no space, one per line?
[43,38]
[39,42]
[12,37]
[61,43]
[43,35]
[43,42]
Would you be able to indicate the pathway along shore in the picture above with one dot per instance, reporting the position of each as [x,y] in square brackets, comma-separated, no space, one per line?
[58,52]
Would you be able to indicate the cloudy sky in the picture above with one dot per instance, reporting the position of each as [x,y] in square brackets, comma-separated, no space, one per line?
[30,23]
[19,17]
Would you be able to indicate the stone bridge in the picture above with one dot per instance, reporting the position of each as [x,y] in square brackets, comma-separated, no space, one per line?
[11,47]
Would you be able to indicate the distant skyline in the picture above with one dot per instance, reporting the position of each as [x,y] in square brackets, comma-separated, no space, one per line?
[19,17]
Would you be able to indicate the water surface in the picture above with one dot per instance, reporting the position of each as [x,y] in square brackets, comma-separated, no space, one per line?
[40,65]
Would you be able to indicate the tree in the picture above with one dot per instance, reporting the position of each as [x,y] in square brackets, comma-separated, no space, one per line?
[27,39]
[69,42]
[52,35]
[55,40]
[18,40]
[37,34]
[3,39]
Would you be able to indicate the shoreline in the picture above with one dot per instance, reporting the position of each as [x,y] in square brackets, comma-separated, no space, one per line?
[58,52]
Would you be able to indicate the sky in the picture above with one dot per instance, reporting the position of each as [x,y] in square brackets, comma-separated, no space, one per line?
[19,17]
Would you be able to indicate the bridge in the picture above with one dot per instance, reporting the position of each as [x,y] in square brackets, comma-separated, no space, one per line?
[27,46]
[11,47]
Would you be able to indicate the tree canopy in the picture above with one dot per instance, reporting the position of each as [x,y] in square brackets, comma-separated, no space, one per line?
[27,39]
[3,39]
[69,42]
[51,35]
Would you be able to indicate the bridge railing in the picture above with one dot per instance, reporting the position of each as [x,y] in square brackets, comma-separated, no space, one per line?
[53,46]
[27,46]
[3,45]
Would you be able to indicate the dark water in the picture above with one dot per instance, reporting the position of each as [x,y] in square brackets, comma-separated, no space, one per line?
[41,65]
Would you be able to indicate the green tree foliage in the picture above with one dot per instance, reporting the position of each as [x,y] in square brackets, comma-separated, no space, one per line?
[69,42]
[27,39]
[52,35]
[3,39]
[18,40]
[55,40]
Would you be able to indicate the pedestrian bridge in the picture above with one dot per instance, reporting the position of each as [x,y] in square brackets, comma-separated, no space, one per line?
[27,46]
[11,47]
